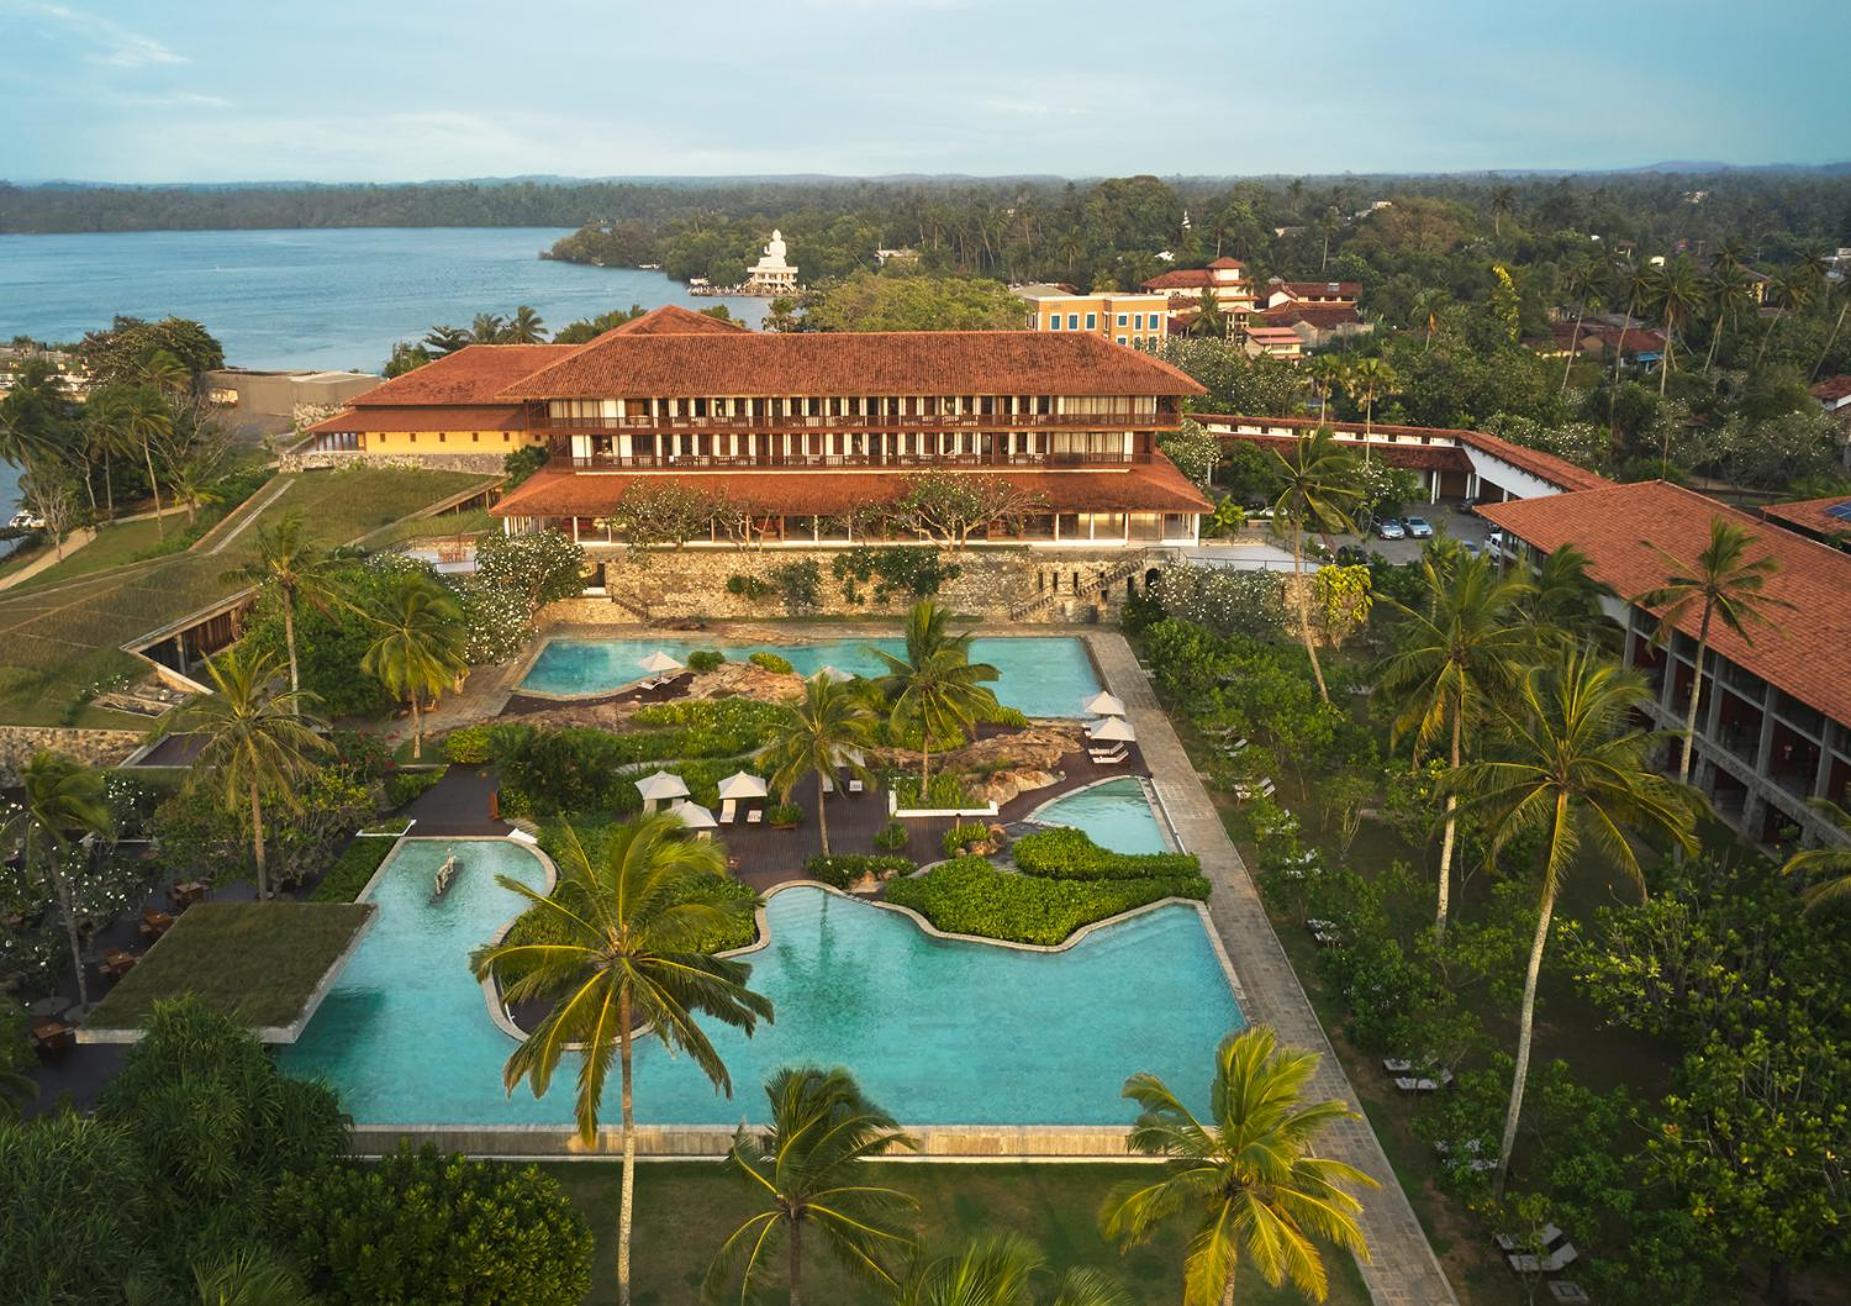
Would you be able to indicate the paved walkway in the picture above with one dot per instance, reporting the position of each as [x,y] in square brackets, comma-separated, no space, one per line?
[1404,1270]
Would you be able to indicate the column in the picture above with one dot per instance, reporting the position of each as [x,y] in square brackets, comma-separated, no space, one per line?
[1433,478]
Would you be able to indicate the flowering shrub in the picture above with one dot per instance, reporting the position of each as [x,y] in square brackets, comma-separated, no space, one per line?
[839,870]
[1226,602]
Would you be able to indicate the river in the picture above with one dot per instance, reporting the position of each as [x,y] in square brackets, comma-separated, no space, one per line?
[334,299]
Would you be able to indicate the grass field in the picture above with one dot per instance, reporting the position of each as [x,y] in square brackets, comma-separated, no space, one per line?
[257,962]
[685,1210]
[61,631]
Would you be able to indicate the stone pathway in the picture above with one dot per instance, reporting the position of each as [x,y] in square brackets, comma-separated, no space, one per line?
[1403,1270]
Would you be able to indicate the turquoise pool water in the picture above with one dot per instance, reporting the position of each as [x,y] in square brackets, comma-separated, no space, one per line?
[1116,814]
[937,1032]
[1040,675]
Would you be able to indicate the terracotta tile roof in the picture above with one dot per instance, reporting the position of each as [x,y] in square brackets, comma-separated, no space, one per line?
[1807,652]
[674,320]
[1225,262]
[1833,387]
[1321,316]
[1815,515]
[474,374]
[1182,279]
[851,363]
[1415,457]
[1639,340]
[1347,289]
[1150,487]
[407,417]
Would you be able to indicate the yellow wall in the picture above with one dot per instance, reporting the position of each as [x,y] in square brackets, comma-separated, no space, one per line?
[1106,307]
[451,442]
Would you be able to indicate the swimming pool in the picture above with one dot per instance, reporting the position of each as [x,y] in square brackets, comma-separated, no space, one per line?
[938,1032]
[1040,675]
[1116,814]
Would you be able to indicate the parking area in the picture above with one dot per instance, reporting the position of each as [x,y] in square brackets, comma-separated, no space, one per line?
[1445,519]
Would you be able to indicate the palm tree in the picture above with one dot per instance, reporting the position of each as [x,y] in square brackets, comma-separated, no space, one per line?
[525,328]
[1580,285]
[807,1171]
[1676,294]
[1425,313]
[822,734]
[1562,600]
[1002,1270]
[1458,657]
[1247,1179]
[163,370]
[60,801]
[1842,293]
[146,418]
[1209,319]
[418,650]
[935,686]
[106,436]
[443,339]
[256,743]
[488,329]
[1326,372]
[1573,764]
[1833,861]
[290,565]
[1503,204]
[1317,488]
[1368,381]
[1724,583]
[1795,289]
[622,944]
[1729,292]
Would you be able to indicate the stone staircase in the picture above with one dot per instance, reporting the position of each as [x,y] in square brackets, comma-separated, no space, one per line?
[1090,587]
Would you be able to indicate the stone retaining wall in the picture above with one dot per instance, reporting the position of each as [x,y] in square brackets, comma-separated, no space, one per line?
[91,747]
[489,463]
[688,583]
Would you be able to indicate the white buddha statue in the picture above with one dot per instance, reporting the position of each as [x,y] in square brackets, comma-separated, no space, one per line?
[771,275]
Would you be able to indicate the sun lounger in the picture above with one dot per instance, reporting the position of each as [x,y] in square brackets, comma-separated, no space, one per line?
[1567,1290]
[728,811]
[1424,1084]
[1478,1163]
[1559,1259]
[116,963]
[1398,1066]
[1112,758]
[829,786]
[756,816]
[1548,1237]
[1264,789]
[155,923]
[854,786]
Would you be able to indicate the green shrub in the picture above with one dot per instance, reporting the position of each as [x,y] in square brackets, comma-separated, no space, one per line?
[799,584]
[891,837]
[424,1227]
[784,814]
[771,662]
[971,896]
[961,837]
[1068,854]
[945,793]
[749,587]
[352,870]
[71,1188]
[469,746]
[839,870]
[403,786]
[706,659]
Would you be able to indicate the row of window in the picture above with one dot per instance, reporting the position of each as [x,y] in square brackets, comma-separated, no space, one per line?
[1136,321]
[475,437]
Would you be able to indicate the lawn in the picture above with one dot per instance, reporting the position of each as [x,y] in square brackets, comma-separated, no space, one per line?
[256,962]
[685,1210]
[62,635]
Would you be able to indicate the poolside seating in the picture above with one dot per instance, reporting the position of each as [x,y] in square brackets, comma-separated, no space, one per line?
[854,786]
[1397,1065]
[756,816]
[154,923]
[1327,934]
[52,1037]
[1475,1160]
[829,786]
[1553,1262]
[1264,789]
[187,893]
[1234,749]
[1112,757]
[729,810]
[117,962]
[1567,1290]
[1547,1237]
[1424,1083]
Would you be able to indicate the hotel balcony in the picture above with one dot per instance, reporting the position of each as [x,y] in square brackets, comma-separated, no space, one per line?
[772,424]
[563,460]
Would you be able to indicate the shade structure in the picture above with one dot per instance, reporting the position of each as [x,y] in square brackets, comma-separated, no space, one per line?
[655,788]
[1105,703]
[694,816]
[1114,729]
[743,784]
[836,674]
[658,662]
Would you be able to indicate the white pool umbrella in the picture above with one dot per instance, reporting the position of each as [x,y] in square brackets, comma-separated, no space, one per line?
[655,788]
[1105,703]
[1114,729]
[694,816]
[836,674]
[658,662]
[742,784]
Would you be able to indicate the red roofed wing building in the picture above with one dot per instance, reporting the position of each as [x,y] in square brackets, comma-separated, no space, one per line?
[1774,716]
[1226,277]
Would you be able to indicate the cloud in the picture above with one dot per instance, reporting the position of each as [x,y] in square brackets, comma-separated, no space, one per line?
[111,44]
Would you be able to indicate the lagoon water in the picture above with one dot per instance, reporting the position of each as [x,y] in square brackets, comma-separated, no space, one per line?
[309,299]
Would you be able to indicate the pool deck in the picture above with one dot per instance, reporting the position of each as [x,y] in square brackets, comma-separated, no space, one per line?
[1404,1270]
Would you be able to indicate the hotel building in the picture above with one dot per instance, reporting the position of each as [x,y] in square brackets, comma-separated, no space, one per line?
[1136,319]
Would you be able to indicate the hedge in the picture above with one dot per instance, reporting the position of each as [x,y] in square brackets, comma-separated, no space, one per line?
[404,786]
[352,870]
[839,870]
[1069,854]
[771,662]
[971,896]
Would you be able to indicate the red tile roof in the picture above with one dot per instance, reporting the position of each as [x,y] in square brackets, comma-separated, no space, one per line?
[1151,487]
[674,320]
[1814,515]
[1415,457]
[1225,262]
[1833,387]
[1181,279]
[474,374]
[1346,289]
[1807,652]
[406,417]
[748,363]
[1321,316]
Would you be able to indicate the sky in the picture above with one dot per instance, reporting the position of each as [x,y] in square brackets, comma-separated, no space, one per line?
[338,90]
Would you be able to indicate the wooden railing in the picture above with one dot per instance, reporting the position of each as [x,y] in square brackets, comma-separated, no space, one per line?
[564,461]
[1126,418]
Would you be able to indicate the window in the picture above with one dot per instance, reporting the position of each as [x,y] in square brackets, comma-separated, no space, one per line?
[475,437]
[1073,321]
[414,437]
[1121,340]
[1052,323]
[1121,322]
[442,437]
[1092,321]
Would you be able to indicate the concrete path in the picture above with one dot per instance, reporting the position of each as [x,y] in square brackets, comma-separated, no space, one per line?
[50,558]
[246,515]
[1403,1270]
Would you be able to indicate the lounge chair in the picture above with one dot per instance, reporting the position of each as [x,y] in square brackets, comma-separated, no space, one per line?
[829,786]
[155,923]
[52,1037]
[1264,789]
[854,786]
[1529,1263]
[1477,1162]
[729,810]
[1567,1290]
[1108,758]
[1549,1235]
[1424,1083]
[1398,1066]
[756,816]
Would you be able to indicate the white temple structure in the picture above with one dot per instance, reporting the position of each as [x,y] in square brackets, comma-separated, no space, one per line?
[771,275]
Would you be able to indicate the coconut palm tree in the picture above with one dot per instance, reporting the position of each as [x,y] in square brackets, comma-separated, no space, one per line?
[444,339]
[1730,293]
[106,436]
[1425,313]
[1675,292]
[1833,861]
[1842,293]
[60,801]
[1325,373]
[1562,600]
[1724,584]
[146,418]
[293,568]
[1368,380]
[525,328]
[257,743]
[1572,765]
[936,686]
[1246,1180]
[806,1170]
[1503,204]
[1795,289]
[822,735]
[1581,283]
[622,944]
[1460,653]
[1003,1270]
[488,329]
[419,647]
[1317,489]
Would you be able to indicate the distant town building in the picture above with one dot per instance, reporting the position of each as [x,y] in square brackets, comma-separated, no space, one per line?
[1277,342]
[70,372]
[1327,294]
[1125,318]
[771,275]
[901,255]
[1226,277]
[1317,325]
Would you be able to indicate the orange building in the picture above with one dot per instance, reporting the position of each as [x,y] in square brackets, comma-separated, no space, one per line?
[1125,318]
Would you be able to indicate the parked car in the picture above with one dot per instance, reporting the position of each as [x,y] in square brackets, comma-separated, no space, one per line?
[1495,543]
[1390,529]
[1418,528]
[1470,548]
